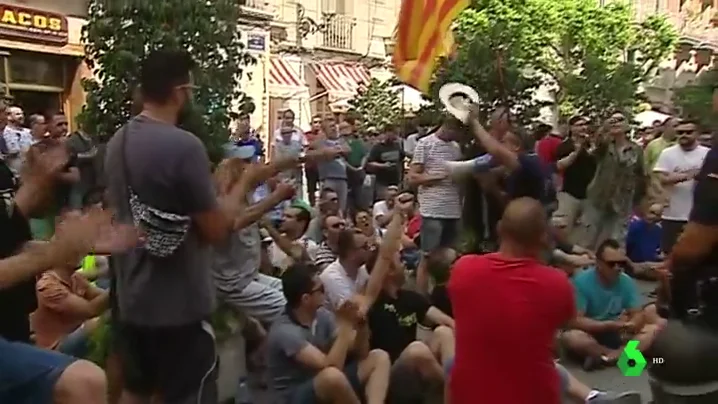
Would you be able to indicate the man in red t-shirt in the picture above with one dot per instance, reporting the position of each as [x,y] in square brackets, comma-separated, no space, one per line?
[508,308]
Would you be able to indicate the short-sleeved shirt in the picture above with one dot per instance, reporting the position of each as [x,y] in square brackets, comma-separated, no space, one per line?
[235,262]
[547,148]
[381,208]
[393,321]
[500,301]
[674,160]
[17,140]
[325,256]
[49,322]
[653,151]
[531,179]
[286,338]
[643,241]
[442,200]
[578,175]
[169,169]
[384,152]
[333,169]
[338,286]
[600,302]
[281,260]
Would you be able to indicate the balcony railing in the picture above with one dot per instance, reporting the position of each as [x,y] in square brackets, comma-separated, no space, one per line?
[339,32]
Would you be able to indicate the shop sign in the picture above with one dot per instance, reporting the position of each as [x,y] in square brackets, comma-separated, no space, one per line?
[30,25]
[255,42]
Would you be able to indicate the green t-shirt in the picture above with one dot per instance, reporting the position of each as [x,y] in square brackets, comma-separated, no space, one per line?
[357,151]
[653,151]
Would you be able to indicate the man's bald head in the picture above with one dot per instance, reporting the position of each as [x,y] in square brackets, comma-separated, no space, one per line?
[524,222]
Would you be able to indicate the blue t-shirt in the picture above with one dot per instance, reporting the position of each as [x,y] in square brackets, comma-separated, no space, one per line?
[603,303]
[532,179]
[643,241]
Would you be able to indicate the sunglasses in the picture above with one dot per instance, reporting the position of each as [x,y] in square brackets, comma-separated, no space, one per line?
[614,264]
[685,132]
[318,289]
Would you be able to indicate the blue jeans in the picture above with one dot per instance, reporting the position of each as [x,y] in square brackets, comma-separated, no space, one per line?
[28,374]
[436,233]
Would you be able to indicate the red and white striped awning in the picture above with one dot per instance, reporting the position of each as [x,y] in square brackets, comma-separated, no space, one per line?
[283,81]
[340,79]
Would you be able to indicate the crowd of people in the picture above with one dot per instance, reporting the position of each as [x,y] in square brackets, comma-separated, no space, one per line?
[350,293]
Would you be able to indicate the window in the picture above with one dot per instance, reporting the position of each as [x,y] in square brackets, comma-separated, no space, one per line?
[36,69]
[334,6]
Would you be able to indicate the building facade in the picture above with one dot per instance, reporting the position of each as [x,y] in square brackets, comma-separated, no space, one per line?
[41,57]
[320,53]
[695,21]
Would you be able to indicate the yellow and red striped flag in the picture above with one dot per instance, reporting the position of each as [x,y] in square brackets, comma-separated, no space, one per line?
[423,34]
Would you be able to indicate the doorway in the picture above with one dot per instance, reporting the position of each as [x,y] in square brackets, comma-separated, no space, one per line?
[37,102]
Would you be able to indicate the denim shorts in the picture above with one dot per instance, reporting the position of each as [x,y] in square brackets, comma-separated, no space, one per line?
[305,394]
[436,233]
[76,344]
[28,374]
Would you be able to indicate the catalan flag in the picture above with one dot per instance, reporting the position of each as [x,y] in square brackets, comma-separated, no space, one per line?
[423,34]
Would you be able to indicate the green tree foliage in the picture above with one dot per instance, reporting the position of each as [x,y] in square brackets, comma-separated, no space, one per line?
[696,100]
[120,33]
[594,57]
[377,104]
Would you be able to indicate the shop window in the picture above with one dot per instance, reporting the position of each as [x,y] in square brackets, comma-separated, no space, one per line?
[36,69]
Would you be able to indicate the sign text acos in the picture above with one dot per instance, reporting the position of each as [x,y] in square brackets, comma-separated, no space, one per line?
[31,20]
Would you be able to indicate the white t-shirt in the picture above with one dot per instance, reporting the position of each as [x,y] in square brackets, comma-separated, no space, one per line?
[674,159]
[380,209]
[338,286]
[281,260]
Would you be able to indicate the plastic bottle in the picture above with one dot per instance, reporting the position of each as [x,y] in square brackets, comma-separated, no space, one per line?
[244,395]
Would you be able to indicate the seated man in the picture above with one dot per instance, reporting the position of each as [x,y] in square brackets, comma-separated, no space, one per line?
[439,264]
[307,349]
[289,244]
[68,310]
[566,255]
[382,210]
[327,252]
[347,275]
[609,310]
[393,320]
[643,243]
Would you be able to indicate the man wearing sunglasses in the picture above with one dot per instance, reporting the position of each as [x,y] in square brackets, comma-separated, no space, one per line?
[676,169]
[617,188]
[609,311]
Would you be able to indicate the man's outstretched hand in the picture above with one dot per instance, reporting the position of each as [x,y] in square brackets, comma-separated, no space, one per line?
[38,176]
[93,231]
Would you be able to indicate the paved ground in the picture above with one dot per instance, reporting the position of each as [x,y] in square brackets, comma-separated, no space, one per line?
[611,379]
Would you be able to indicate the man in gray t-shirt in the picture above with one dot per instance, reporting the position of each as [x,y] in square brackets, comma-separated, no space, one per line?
[307,345]
[161,304]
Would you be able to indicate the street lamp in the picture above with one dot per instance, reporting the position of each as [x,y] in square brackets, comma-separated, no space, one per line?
[307,25]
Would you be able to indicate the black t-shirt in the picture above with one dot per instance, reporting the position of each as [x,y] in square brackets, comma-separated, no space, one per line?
[387,153]
[18,301]
[579,174]
[393,321]
[440,299]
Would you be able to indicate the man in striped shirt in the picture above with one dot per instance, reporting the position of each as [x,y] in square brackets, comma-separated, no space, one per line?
[439,197]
